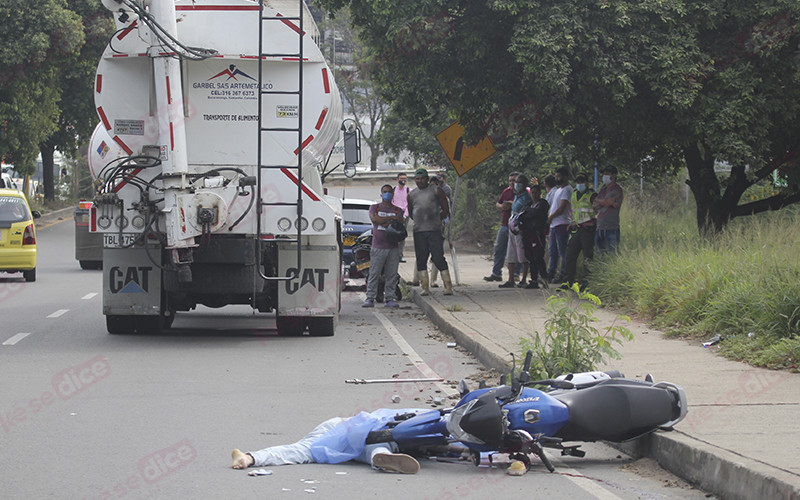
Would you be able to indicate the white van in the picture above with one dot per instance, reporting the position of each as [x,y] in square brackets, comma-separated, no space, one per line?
[7,182]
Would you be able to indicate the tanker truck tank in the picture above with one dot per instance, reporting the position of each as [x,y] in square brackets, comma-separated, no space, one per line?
[206,159]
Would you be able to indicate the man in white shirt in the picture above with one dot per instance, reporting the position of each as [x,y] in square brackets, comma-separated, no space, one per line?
[559,219]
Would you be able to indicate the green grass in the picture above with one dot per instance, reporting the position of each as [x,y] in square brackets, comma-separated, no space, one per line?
[743,284]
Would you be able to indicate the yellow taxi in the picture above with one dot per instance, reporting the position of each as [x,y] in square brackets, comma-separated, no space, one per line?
[17,235]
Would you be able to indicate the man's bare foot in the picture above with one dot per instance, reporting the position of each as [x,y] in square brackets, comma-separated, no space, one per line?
[241,460]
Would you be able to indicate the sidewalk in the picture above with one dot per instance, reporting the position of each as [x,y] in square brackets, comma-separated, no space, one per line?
[742,434]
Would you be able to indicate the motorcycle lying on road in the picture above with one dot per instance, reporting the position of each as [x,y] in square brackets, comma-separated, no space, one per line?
[520,421]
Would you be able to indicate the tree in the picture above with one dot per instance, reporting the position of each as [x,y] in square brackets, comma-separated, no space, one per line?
[34,42]
[77,115]
[672,82]
[360,96]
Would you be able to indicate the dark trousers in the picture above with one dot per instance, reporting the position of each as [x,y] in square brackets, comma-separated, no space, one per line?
[534,252]
[580,240]
[429,243]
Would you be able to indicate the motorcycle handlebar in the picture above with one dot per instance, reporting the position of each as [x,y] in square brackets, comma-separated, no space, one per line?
[526,367]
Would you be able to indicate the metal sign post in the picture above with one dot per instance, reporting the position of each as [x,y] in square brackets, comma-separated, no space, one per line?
[449,241]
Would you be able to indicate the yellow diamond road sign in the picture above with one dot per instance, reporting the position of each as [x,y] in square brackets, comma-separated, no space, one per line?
[462,156]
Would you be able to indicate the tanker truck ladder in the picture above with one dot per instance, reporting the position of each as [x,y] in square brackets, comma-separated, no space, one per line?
[266,22]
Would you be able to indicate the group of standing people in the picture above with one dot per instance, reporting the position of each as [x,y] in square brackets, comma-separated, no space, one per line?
[428,207]
[568,221]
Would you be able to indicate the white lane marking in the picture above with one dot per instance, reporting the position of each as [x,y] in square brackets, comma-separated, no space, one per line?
[58,313]
[89,296]
[415,358]
[584,483]
[16,338]
[587,484]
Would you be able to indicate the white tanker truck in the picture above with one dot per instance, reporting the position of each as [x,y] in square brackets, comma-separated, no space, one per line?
[214,118]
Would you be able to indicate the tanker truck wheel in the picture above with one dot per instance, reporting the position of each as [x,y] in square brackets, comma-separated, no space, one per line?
[320,327]
[289,326]
[119,324]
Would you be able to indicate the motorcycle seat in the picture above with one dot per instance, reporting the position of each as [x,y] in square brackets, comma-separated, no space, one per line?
[615,410]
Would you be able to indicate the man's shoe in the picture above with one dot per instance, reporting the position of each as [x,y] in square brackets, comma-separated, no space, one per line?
[521,284]
[368,303]
[532,284]
[396,462]
[391,303]
[492,277]
[402,260]
[507,284]
[434,285]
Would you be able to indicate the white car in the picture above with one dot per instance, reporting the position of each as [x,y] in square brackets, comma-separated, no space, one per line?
[6,182]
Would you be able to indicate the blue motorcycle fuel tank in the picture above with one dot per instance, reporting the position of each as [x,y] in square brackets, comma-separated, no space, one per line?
[425,429]
[535,411]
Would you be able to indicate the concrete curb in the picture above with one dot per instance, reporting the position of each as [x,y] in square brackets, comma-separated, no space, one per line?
[55,217]
[718,471]
[715,470]
[491,355]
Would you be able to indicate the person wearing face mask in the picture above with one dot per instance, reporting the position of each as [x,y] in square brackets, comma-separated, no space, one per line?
[516,250]
[384,257]
[400,199]
[559,219]
[584,224]
[607,205]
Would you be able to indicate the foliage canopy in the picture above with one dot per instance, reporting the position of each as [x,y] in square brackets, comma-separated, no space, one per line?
[658,84]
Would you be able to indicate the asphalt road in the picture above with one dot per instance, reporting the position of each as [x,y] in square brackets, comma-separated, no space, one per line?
[85,414]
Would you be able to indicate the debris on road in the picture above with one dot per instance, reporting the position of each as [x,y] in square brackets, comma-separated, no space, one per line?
[260,472]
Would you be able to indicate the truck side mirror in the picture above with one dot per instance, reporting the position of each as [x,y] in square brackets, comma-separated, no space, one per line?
[352,146]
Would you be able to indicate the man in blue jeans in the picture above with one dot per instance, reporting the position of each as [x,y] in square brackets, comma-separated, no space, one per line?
[501,242]
[607,204]
[559,219]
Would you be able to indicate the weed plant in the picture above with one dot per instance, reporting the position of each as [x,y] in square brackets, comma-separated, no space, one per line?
[571,342]
[743,283]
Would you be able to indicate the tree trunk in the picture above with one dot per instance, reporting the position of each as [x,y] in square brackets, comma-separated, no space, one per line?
[373,163]
[713,209]
[47,151]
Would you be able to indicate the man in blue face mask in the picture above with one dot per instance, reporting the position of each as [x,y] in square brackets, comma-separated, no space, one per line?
[384,257]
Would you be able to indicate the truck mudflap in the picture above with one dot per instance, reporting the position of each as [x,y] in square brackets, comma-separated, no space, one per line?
[131,282]
[312,297]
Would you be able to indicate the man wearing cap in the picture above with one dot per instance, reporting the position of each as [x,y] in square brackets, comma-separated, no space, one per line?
[607,204]
[428,207]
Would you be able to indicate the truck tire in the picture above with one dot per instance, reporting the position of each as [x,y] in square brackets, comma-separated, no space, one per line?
[289,326]
[149,325]
[91,264]
[29,275]
[320,327]
[119,324]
